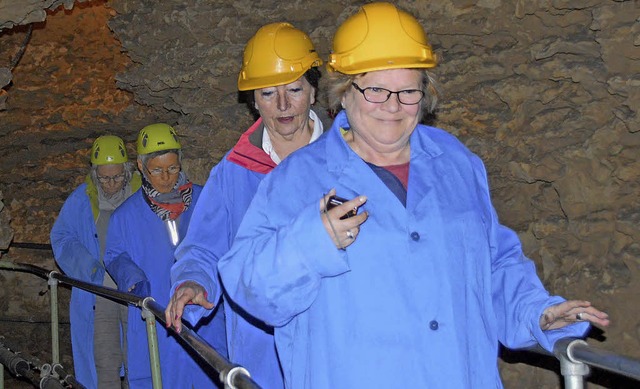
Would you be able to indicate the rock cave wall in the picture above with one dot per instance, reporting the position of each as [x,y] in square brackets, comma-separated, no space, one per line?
[546,92]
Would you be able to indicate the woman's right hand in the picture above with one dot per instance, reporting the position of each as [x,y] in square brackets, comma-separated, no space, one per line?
[186,293]
[343,232]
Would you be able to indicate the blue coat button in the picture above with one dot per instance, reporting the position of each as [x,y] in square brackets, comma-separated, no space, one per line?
[415,236]
[433,324]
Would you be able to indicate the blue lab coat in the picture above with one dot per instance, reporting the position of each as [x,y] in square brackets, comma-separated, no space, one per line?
[76,249]
[138,250]
[421,299]
[220,209]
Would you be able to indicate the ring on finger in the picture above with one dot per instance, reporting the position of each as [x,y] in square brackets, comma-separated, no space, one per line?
[579,316]
[350,234]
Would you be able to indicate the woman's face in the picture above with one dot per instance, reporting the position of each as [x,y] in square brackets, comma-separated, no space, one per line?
[383,127]
[285,108]
[162,171]
[111,178]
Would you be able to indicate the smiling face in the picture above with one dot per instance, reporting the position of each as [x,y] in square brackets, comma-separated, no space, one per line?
[381,128]
[162,171]
[285,108]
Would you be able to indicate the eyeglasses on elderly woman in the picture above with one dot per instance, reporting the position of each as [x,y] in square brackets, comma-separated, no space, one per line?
[377,95]
[117,178]
[171,170]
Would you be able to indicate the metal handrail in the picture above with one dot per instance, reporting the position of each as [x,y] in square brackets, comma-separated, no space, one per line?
[124,297]
[232,375]
[575,355]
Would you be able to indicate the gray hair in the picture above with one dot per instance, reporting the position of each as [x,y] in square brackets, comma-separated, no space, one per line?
[339,83]
[129,168]
[144,158]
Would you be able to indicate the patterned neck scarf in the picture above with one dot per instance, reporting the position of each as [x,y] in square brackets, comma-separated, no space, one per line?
[169,206]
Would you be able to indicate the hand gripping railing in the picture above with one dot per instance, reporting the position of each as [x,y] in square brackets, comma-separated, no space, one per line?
[575,355]
[233,376]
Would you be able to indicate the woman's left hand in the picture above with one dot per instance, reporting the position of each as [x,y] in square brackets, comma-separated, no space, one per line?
[343,232]
[569,312]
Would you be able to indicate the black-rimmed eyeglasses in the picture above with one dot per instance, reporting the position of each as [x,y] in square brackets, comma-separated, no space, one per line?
[374,94]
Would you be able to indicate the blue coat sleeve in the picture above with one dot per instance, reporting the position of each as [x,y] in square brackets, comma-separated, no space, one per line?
[274,269]
[124,271]
[75,247]
[519,297]
[208,237]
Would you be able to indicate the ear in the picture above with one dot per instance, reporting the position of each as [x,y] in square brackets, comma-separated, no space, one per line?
[140,165]
[312,101]
[255,100]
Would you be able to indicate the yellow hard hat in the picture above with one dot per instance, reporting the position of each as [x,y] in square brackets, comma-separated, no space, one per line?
[378,37]
[277,54]
[108,150]
[157,137]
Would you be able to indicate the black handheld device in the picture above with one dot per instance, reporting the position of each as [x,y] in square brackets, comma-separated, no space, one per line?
[336,200]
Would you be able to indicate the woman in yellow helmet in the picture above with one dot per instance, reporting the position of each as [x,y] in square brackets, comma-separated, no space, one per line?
[419,287]
[279,78]
[142,237]
[78,240]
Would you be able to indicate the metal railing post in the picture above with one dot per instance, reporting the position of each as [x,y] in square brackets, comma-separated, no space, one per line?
[55,341]
[152,339]
[573,371]
[230,377]
[234,376]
